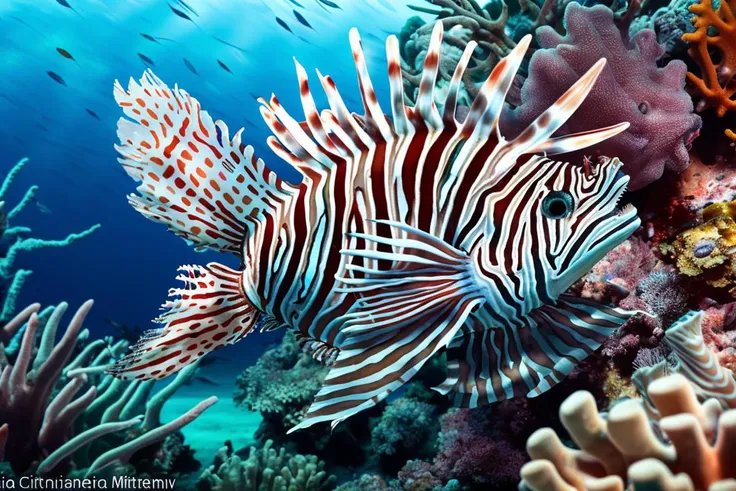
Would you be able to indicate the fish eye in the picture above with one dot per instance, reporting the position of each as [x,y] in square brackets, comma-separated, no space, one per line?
[643,108]
[557,205]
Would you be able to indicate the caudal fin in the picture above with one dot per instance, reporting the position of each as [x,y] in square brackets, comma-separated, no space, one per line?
[210,312]
[206,187]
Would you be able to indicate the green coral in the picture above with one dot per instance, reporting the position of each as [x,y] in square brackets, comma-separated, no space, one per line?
[266,469]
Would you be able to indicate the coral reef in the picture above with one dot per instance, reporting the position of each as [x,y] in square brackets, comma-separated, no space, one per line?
[265,469]
[623,448]
[16,240]
[281,385]
[713,47]
[404,428]
[670,22]
[707,252]
[632,88]
[48,430]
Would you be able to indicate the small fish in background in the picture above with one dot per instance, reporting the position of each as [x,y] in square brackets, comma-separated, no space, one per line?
[225,67]
[56,78]
[181,14]
[187,7]
[387,5]
[226,43]
[206,380]
[41,207]
[67,55]
[284,24]
[64,3]
[330,4]
[302,20]
[146,60]
[93,114]
[189,65]
[150,38]
[18,19]
[297,3]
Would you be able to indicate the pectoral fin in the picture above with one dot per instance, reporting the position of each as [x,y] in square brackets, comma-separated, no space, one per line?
[489,365]
[404,315]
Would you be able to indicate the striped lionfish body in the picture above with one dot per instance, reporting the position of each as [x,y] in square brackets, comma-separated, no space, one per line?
[407,234]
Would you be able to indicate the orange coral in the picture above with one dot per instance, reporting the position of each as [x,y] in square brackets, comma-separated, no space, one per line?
[715,30]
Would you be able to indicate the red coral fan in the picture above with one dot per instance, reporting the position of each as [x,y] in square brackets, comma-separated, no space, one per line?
[714,32]
[631,88]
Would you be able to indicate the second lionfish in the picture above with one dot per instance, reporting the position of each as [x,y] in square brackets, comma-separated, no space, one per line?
[407,234]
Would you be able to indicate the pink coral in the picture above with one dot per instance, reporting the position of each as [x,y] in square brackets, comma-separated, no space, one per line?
[631,88]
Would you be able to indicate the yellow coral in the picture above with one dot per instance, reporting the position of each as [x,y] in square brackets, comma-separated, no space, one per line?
[709,248]
[615,387]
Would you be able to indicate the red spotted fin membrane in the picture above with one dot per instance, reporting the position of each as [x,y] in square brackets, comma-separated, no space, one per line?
[209,312]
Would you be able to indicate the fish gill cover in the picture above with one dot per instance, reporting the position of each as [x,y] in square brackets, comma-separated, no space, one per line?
[455,218]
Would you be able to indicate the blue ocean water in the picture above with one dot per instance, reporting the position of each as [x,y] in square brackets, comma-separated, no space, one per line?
[130,263]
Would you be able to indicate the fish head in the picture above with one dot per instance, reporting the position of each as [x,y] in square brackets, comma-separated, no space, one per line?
[549,225]
[579,220]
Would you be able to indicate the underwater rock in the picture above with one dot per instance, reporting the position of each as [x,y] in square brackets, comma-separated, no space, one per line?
[45,430]
[632,88]
[267,469]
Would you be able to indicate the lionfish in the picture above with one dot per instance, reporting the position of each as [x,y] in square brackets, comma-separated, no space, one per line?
[407,234]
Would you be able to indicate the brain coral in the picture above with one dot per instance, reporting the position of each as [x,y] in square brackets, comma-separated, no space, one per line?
[631,88]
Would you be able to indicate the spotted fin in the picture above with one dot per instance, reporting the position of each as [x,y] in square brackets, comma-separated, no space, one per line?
[403,316]
[210,312]
[489,365]
[205,186]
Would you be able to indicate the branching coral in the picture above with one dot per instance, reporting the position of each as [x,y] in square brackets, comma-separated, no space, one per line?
[715,31]
[631,88]
[266,469]
[12,279]
[45,424]
[623,447]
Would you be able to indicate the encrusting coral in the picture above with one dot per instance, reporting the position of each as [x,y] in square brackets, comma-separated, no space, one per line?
[632,88]
[265,469]
[17,240]
[707,250]
[48,430]
[715,31]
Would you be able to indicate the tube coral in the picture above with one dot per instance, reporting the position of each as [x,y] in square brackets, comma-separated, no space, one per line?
[44,422]
[623,448]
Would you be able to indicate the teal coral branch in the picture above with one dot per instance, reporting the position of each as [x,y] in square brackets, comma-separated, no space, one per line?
[11,296]
[33,243]
[11,176]
[27,198]
[12,234]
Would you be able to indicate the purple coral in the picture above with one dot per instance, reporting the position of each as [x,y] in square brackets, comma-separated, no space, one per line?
[631,88]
